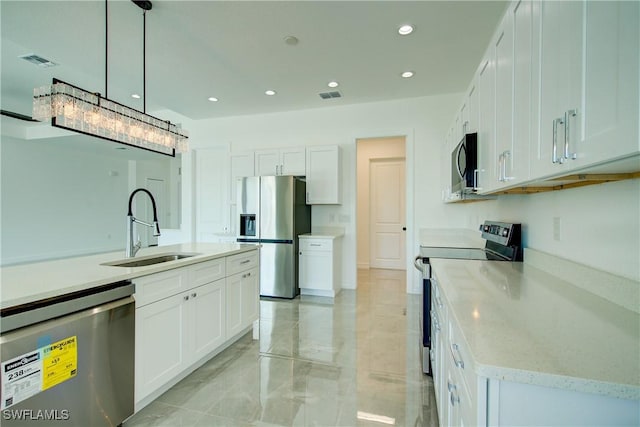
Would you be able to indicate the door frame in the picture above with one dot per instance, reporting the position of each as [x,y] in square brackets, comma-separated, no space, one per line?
[413,279]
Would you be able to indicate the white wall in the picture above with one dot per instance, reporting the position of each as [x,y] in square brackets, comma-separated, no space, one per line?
[59,202]
[422,120]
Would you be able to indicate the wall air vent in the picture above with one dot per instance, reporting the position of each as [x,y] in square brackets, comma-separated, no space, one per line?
[38,60]
[329,95]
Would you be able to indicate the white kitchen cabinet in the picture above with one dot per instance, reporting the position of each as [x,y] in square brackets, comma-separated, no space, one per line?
[240,165]
[160,348]
[243,292]
[319,265]
[211,186]
[487,174]
[472,108]
[503,51]
[324,175]
[182,318]
[589,85]
[284,161]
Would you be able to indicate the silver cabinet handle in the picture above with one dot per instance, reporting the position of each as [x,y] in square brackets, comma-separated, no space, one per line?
[500,167]
[246,261]
[307,197]
[315,244]
[568,115]
[505,156]
[457,360]
[439,302]
[554,151]
[193,295]
[453,396]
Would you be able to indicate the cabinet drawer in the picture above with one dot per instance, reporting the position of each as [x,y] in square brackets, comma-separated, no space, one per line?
[159,286]
[315,244]
[241,262]
[207,272]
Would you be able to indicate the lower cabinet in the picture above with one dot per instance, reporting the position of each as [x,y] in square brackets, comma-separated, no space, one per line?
[318,263]
[243,290]
[177,331]
[206,311]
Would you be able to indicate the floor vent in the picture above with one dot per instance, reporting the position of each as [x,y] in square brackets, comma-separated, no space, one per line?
[329,95]
[38,60]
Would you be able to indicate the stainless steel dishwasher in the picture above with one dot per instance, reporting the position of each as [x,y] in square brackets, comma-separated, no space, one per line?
[69,360]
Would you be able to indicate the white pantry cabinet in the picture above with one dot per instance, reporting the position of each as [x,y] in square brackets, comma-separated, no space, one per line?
[240,165]
[211,178]
[324,175]
[284,161]
[319,265]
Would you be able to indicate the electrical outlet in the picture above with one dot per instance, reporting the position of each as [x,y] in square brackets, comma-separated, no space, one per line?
[556,228]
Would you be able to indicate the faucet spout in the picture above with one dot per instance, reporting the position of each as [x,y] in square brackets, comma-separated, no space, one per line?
[132,247]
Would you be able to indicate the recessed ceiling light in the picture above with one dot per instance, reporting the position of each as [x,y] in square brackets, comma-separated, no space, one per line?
[405,30]
[213,99]
[291,40]
[270,92]
[407,74]
[135,96]
[333,84]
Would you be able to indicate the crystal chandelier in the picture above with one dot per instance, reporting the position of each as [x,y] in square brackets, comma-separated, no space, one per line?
[72,108]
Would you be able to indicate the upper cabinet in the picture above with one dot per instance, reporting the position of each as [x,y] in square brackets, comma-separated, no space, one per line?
[556,94]
[588,85]
[324,173]
[285,161]
[241,165]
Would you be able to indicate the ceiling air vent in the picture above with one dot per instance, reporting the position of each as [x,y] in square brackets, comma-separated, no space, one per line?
[38,60]
[329,95]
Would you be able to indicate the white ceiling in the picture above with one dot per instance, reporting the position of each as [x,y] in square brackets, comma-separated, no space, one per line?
[235,50]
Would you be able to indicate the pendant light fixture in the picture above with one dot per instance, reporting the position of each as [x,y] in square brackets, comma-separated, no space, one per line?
[72,108]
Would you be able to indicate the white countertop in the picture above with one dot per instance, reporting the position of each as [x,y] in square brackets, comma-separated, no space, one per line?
[324,233]
[450,238]
[523,325]
[26,283]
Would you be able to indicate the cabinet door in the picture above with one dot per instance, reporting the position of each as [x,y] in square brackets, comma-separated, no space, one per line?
[472,108]
[504,101]
[611,77]
[560,84]
[487,177]
[160,344]
[250,297]
[267,162]
[293,161]
[212,173]
[234,304]
[241,165]
[526,62]
[324,173]
[206,308]
[316,270]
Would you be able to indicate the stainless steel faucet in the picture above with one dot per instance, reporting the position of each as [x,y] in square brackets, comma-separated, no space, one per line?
[131,247]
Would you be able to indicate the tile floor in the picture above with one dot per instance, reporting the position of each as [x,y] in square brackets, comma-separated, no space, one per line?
[351,363]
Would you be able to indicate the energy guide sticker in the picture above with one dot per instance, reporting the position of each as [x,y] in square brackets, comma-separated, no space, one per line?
[29,374]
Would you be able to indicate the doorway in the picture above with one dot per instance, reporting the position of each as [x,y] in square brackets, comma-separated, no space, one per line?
[381,204]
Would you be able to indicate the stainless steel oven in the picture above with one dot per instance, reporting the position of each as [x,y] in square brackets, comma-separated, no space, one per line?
[503,243]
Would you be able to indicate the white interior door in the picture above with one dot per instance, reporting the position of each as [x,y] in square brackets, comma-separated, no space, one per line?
[387,213]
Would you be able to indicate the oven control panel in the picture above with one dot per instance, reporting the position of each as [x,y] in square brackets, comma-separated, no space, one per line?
[501,232]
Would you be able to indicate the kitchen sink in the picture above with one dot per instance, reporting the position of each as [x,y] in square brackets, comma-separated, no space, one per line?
[149,260]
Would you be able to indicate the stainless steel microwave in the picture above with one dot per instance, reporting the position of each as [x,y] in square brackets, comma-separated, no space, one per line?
[464,165]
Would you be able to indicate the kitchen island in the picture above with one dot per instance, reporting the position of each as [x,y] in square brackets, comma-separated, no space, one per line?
[521,346]
[187,310]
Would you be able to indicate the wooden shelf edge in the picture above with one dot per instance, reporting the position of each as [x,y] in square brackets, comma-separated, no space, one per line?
[574,181]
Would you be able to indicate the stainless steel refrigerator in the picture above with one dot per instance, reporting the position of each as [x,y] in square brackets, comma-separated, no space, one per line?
[272,211]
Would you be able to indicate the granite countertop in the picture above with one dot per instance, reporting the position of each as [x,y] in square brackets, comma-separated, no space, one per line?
[524,325]
[31,282]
